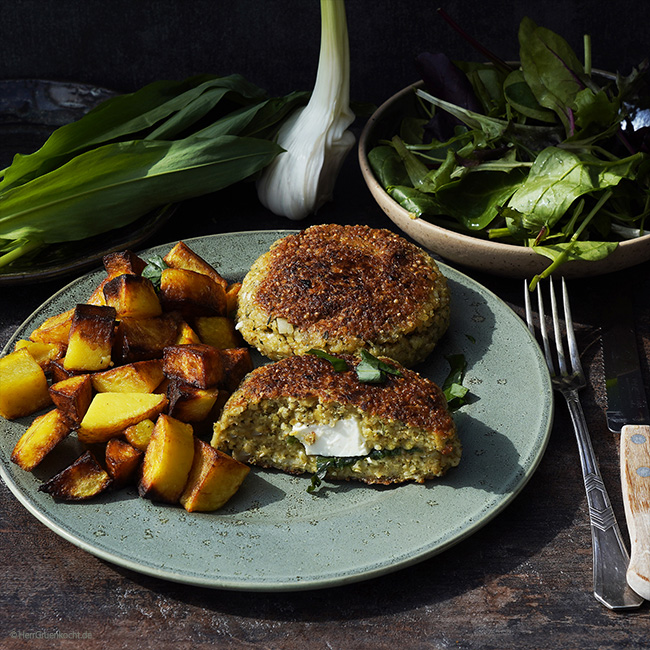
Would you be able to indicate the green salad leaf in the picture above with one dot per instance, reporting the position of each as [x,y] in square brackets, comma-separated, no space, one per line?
[543,154]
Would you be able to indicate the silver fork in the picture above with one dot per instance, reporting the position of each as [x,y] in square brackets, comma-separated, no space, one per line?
[610,557]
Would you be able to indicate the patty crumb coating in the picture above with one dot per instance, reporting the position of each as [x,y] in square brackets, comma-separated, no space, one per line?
[342,289]
[404,421]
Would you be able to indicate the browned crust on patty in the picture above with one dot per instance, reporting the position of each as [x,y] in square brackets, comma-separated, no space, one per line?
[410,398]
[352,280]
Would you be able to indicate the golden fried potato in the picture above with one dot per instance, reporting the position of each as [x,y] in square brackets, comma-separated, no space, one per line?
[110,413]
[218,331]
[44,433]
[181,256]
[72,396]
[237,363]
[186,335]
[140,339]
[191,294]
[122,262]
[56,329]
[167,461]
[189,403]
[91,338]
[231,297]
[137,377]
[132,296]
[82,480]
[43,353]
[122,461]
[23,385]
[139,434]
[197,364]
[213,480]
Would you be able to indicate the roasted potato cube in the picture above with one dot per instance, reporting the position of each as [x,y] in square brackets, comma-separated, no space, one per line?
[97,296]
[91,338]
[132,296]
[123,262]
[82,480]
[163,386]
[181,256]
[237,363]
[45,432]
[191,293]
[43,353]
[110,413]
[56,329]
[139,339]
[72,396]
[137,377]
[197,364]
[186,335]
[23,385]
[231,297]
[122,461]
[59,373]
[139,434]
[167,461]
[189,403]
[218,331]
[213,480]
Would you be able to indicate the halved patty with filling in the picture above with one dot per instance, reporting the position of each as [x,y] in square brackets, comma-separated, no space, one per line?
[342,289]
[299,413]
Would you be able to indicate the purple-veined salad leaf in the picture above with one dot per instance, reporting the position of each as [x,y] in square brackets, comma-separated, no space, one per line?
[544,153]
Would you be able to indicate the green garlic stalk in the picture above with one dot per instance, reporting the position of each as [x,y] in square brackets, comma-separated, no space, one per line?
[314,138]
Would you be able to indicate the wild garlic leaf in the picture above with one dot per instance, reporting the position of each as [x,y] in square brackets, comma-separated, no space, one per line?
[123,118]
[117,183]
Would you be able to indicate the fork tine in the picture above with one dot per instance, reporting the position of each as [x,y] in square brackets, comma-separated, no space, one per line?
[559,345]
[574,355]
[544,331]
[529,311]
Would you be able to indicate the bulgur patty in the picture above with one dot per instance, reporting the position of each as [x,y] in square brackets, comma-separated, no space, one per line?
[342,289]
[298,412]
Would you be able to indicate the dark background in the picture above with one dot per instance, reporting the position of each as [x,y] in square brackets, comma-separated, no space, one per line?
[524,580]
[124,44]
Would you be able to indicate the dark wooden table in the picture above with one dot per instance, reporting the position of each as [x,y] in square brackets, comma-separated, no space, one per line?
[524,580]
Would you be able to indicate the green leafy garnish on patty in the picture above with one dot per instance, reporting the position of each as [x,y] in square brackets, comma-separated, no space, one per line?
[370,370]
[340,365]
[373,371]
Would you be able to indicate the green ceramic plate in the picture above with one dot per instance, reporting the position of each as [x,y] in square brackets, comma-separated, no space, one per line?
[274,535]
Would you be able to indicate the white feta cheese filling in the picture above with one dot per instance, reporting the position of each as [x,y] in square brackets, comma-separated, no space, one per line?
[342,438]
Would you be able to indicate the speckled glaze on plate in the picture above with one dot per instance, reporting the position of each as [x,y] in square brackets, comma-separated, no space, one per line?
[30,109]
[275,536]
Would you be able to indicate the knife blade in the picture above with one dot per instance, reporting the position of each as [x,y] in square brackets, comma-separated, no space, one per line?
[628,414]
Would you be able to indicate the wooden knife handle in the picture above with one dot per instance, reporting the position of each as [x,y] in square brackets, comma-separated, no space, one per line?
[635,479]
